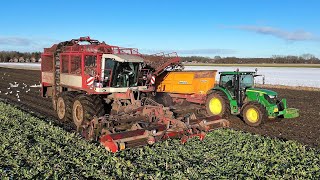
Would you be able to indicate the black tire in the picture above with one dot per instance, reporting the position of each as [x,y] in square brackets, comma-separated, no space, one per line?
[164,98]
[85,107]
[69,99]
[225,104]
[255,107]
[64,112]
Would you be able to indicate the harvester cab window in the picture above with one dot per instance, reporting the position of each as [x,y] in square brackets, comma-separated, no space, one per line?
[126,74]
[107,71]
[90,63]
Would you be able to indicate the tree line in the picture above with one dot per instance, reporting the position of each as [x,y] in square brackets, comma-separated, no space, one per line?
[6,56]
[276,59]
[10,56]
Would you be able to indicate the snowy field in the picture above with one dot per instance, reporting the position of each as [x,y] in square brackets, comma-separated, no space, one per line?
[308,77]
[30,66]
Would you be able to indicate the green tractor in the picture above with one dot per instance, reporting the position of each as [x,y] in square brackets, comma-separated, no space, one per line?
[235,94]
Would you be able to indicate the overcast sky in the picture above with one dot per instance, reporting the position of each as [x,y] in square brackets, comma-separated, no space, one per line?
[256,28]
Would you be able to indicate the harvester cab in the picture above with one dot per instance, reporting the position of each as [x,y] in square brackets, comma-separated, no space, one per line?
[236,94]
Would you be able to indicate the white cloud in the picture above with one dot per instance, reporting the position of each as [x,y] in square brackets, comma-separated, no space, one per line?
[299,35]
[15,41]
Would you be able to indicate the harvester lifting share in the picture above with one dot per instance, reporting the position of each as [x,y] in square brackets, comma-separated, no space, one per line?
[148,122]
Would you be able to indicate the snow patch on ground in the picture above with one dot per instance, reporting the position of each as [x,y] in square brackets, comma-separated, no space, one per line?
[29,66]
[307,77]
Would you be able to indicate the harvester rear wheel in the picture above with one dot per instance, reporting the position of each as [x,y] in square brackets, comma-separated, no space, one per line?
[217,104]
[61,108]
[64,106]
[85,107]
[254,114]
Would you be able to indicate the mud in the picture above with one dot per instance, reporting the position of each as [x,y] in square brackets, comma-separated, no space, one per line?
[304,129]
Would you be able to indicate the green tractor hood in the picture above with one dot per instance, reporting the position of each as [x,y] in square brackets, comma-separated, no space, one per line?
[262,91]
[273,109]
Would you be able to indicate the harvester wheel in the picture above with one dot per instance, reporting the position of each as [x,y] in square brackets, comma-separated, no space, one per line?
[254,114]
[165,99]
[217,104]
[85,107]
[64,106]
[61,108]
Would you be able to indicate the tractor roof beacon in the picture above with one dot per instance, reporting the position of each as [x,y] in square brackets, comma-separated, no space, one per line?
[96,86]
[236,94]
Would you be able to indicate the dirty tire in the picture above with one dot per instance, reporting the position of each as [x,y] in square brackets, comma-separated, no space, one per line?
[216,97]
[54,103]
[254,114]
[69,98]
[64,106]
[61,108]
[85,107]
[164,98]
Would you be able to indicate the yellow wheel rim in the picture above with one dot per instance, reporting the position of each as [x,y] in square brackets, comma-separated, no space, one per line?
[252,115]
[215,106]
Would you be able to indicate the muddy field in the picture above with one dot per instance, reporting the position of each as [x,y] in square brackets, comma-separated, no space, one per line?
[305,129]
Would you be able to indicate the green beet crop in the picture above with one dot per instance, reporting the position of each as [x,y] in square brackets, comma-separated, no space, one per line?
[34,149]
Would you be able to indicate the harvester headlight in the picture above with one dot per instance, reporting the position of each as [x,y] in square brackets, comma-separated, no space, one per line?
[271,96]
[122,146]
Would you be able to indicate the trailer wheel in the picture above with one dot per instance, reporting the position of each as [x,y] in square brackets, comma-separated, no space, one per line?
[217,104]
[85,107]
[254,114]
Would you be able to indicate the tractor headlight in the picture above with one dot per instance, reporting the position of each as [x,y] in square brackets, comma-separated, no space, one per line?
[275,110]
[270,98]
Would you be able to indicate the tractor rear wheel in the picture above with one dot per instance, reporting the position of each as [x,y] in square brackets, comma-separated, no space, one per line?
[254,114]
[85,107]
[217,104]
[64,106]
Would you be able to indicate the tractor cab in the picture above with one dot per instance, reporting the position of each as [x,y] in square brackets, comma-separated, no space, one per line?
[236,83]
[236,94]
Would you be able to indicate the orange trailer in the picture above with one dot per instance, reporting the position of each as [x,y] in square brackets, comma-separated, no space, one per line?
[191,86]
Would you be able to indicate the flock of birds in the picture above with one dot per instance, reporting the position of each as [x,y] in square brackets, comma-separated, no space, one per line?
[14,88]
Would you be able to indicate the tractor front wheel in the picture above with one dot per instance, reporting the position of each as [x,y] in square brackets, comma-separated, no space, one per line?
[254,114]
[217,104]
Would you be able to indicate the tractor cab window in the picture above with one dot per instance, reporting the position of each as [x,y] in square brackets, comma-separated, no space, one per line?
[228,82]
[246,81]
[90,63]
